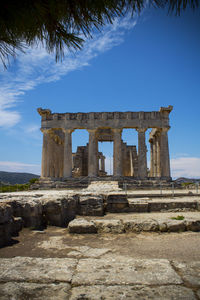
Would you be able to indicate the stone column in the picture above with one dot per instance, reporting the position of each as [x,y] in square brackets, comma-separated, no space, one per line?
[45,167]
[103,163]
[154,157]
[67,161]
[142,153]
[158,158]
[151,158]
[92,153]
[164,153]
[117,152]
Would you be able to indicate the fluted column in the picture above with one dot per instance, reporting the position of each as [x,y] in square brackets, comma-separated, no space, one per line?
[151,158]
[142,153]
[164,153]
[117,152]
[92,153]
[158,157]
[45,167]
[103,163]
[154,157]
[67,161]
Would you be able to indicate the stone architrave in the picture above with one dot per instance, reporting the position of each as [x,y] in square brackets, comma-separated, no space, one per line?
[67,161]
[92,153]
[45,168]
[142,153]
[164,153]
[117,153]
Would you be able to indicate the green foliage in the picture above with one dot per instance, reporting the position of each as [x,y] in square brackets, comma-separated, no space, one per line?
[61,23]
[14,188]
[185,184]
[179,218]
[33,180]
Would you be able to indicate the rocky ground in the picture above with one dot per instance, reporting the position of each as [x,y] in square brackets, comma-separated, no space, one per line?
[56,265]
[145,245]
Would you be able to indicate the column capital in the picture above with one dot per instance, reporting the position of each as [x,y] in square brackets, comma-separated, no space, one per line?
[45,130]
[165,129]
[117,130]
[65,130]
[141,129]
[92,130]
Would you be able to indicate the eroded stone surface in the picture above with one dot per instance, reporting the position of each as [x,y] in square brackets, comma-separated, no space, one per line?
[109,226]
[124,270]
[119,292]
[190,272]
[82,226]
[34,291]
[37,269]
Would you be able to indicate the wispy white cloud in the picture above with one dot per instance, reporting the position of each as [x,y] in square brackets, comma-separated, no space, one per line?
[185,167]
[37,67]
[10,166]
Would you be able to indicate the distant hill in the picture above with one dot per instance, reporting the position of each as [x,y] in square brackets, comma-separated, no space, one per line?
[183,179]
[13,178]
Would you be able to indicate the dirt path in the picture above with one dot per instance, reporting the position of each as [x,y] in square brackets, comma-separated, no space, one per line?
[57,242]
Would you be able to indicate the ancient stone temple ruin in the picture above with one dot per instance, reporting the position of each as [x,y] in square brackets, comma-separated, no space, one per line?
[58,161]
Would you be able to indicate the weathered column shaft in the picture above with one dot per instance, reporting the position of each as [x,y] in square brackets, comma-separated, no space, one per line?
[103,163]
[154,157]
[164,153]
[142,153]
[151,158]
[117,153]
[44,168]
[92,154]
[158,158]
[67,165]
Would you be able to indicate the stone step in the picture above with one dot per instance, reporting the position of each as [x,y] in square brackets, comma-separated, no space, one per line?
[124,223]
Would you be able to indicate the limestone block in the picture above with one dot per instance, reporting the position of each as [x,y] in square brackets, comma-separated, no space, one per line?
[198,293]
[162,226]
[37,270]
[5,212]
[124,270]
[138,207]
[176,225]
[193,225]
[59,212]
[109,226]
[139,292]
[30,210]
[82,226]
[132,226]
[150,225]
[91,205]
[17,225]
[5,234]
[9,226]
[117,203]
[34,291]
[190,271]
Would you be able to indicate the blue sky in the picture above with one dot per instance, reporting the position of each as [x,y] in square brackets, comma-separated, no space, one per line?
[136,64]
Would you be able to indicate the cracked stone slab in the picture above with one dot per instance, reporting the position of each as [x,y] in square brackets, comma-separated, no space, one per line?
[124,270]
[119,292]
[40,270]
[190,271]
[84,251]
[33,291]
